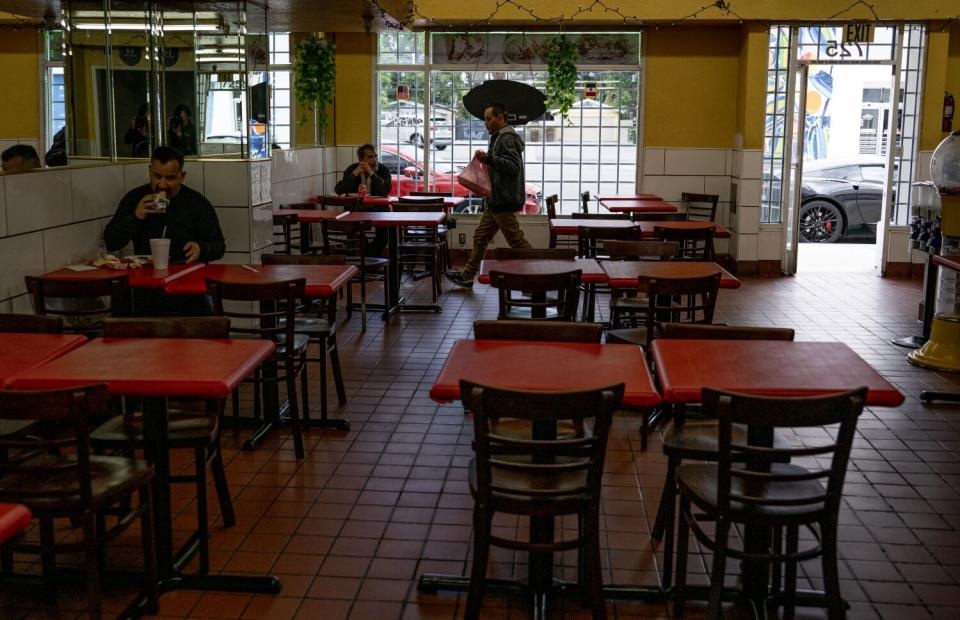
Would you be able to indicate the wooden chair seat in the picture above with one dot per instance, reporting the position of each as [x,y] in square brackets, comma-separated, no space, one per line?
[698,439]
[635,335]
[112,478]
[185,430]
[699,482]
[517,492]
[514,427]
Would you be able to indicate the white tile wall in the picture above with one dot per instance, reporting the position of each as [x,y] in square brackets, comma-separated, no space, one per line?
[749,192]
[747,247]
[671,187]
[235,224]
[20,256]
[96,191]
[898,250]
[719,186]
[769,245]
[653,161]
[195,177]
[37,200]
[696,161]
[135,175]
[749,220]
[227,183]
[3,210]
[751,164]
[76,243]
[923,165]
[261,227]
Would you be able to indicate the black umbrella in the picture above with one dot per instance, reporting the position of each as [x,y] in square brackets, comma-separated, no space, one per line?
[524,102]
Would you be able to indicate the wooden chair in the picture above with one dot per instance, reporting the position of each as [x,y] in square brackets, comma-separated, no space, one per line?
[628,307]
[588,237]
[541,476]
[85,311]
[347,203]
[320,331]
[31,324]
[274,318]
[193,425]
[560,306]
[288,237]
[540,331]
[441,194]
[700,207]
[600,216]
[697,440]
[426,244]
[349,239]
[658,217]
[753,484]
[556,240]
[55,476]
[534,253]
[695,244]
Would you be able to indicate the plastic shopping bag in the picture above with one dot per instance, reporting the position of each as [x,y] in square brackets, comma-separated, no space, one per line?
[475,178]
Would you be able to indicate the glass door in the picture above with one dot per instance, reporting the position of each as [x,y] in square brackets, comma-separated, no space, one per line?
[793,166]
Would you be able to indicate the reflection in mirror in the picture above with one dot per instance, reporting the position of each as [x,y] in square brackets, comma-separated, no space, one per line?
[138,75]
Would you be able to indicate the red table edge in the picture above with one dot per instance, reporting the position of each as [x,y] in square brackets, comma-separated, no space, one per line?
[634,197]
[875,398]
[727,283]
[666,208]
[14,518]
[163,388]
[323,290]
[73,341]
[448,394]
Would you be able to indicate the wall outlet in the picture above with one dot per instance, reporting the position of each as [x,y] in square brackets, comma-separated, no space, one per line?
[462,238]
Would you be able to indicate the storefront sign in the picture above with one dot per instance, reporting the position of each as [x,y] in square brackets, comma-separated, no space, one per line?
[529,50]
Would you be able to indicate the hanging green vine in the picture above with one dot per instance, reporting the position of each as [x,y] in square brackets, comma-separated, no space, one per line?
[561,73]
[314,75]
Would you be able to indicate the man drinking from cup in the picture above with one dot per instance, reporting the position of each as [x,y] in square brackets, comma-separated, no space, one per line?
[183,216]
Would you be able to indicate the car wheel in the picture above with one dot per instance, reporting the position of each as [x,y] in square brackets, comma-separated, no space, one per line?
[820,222]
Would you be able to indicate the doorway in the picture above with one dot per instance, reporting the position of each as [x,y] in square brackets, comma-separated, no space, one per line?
[841,144]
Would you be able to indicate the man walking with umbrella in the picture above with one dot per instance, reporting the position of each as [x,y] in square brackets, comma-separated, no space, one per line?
[504,160]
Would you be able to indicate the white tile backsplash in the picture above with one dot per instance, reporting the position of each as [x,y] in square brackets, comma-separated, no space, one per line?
[746,247]
[695,161]
[235,224]
[3,210]
[135,175]
[719,186]
[749,192]
[671,187]
[20,256]
[227,183]
[769,245]
[96,191]
[653,161]
[37,200]
[748,220]
[751,164]
[261,227]
[73,244]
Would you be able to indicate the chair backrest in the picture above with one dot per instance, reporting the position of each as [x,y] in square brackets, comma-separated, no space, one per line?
[311,206]
[694,331]
[345,238]
[589,235]
[683,300]
[345,202]
[271,317]
[541,331]
[647,249]
[658,217]
[31,324]
[306,259]
[406,201]
[700,207]
[555,291]
[585,202]
[534,253]
[756,461]
[552,206]
[285,237]
[62,427]
[85,315]
[695,244]
[568,467]
[168,327]
[600,216]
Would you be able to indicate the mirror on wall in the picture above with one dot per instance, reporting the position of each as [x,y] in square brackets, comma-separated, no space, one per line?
[137,75]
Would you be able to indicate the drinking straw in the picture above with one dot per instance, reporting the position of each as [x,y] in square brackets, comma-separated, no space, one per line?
[163,235]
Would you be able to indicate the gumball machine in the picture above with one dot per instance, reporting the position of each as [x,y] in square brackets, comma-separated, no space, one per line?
[942,350]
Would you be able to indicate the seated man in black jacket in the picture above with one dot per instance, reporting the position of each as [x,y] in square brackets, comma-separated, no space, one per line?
[377,180]
[189,221]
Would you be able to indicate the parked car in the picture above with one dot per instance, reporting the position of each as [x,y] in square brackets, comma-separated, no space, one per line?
[409,127]
[408,176]
[841,199]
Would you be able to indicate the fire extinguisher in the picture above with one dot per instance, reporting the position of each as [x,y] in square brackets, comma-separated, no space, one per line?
[948,108]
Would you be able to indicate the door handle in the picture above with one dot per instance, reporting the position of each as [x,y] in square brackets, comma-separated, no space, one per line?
[856,187]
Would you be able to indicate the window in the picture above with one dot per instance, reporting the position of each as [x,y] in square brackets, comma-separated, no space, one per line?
[54,95]
[844,173]
[874,174]
[280,125]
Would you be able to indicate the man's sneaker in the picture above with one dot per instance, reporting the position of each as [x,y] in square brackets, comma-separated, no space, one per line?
[456,278]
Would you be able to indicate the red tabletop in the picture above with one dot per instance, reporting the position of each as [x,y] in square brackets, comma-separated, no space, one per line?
[765,368]
[22,352]
[309,215]
[570,226]
[14,518]
[183,367]
[141,277]
[629,197]
[381,220]
[322,280]
[638,206]
[624,274]
[592,271]
[719,231]
[546,366]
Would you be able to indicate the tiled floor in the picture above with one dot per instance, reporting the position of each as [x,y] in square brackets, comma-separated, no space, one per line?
[349,528]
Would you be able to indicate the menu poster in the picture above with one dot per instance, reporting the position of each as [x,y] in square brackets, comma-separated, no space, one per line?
[501,48]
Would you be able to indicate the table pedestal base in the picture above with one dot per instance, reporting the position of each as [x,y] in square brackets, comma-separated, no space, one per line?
[910,342]
[206,583]
[283,417]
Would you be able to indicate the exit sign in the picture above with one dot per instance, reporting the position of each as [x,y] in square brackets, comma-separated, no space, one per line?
[858,33]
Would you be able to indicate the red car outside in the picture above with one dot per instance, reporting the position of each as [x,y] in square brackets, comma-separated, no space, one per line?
[408,176]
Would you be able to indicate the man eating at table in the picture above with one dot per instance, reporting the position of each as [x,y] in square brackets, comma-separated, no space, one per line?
[187,219]
[376,181]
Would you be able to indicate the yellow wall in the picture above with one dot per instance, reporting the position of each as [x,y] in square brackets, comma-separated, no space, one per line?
[356,58]
[20,104]
[752,86]
[953,73]
[691,87]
